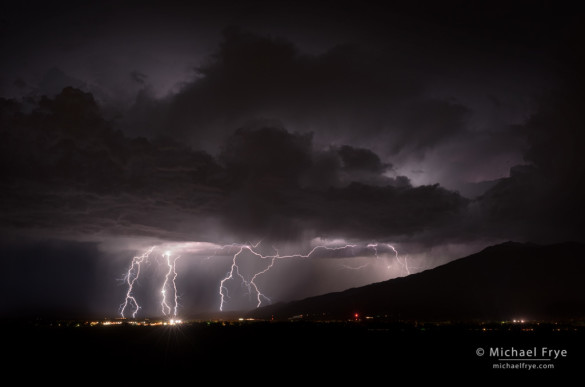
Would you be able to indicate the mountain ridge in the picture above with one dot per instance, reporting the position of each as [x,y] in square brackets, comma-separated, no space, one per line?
[505,281]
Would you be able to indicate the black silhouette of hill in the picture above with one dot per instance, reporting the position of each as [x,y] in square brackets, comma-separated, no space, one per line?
[502,282]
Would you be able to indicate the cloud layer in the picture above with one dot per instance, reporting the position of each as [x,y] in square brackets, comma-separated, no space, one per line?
[66,168]
[270,142]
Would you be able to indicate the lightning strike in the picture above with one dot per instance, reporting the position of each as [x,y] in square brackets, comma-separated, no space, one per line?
[403,263]
[166,308]
[169,305]
[249,284]
[130,278]
[362,266]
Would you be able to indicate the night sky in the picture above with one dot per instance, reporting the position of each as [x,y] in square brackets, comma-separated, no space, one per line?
[437,127]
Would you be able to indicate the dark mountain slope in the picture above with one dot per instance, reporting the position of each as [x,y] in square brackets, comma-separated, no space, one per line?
[507,281]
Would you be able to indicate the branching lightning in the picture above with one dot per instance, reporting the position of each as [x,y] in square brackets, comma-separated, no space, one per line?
[235,269]
[170,300]
[166,308]
[403,262]
[130,278]
[133,274]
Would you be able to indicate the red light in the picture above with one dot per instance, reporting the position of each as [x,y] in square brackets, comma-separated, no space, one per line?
[356,315]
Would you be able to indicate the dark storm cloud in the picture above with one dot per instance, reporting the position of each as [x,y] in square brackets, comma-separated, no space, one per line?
[379,95]
[320,142]
[361,159]
[55,80]
[138,77]
[277,195]
[345,91]
[376,76]
[67,169]
[543,199]
[253,155]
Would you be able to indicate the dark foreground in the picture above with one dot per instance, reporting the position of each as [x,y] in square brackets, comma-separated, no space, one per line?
[265,352]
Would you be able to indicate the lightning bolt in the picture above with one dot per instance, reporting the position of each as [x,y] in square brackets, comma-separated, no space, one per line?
[251,284]
[364,265]
[130,278]
[169,306]
[403,263]
[166,309]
